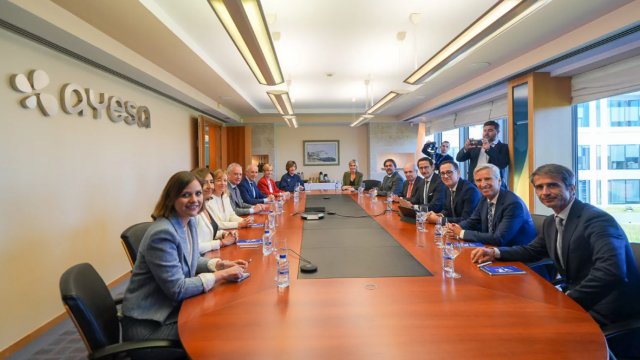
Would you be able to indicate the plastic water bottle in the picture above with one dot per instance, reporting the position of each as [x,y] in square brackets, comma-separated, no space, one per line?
[389,202]
[338,187]
[279,207]
[447,261]
[361,189]
[266,243]
[437,232]
[374,193]
[283,271]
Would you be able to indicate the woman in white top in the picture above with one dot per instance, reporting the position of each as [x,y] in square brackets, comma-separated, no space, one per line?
[209,237]
[220,205]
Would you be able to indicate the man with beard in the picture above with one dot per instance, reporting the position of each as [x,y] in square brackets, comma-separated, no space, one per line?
[492,151]
[392,183]
[431,190]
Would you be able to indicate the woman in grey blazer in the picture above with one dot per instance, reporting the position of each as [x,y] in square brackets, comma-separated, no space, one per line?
[168,260]
[352,179]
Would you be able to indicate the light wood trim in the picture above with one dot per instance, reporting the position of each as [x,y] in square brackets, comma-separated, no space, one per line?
[126,251]
[202,121]
[27,339]
[529,79]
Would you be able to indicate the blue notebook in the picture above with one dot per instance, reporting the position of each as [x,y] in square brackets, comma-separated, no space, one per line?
[250,242]
[470,244]
[502,270]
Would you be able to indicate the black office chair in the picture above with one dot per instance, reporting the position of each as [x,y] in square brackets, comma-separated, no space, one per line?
[370,184]
[544,267]
[628,327]
[131,239]
[90,306]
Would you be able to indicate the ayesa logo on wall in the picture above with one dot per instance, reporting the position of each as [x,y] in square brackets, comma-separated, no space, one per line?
[76,100]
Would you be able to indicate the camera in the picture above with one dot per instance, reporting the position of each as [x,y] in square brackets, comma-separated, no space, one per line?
[431,147]
[476,142]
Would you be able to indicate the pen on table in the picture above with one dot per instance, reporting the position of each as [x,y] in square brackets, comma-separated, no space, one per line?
[486,263]
[248,262]
[248,246]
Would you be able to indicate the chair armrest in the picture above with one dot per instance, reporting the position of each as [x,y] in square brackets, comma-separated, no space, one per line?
[118,300]
[557,282]
[620,328]
[545,261]
[168,346]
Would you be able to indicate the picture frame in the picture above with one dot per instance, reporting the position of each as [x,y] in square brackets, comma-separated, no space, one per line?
[321,152]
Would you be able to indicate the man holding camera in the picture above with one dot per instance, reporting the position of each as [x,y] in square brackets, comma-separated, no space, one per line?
[429,149]
[488,150]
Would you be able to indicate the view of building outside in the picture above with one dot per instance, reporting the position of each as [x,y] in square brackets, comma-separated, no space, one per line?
[608,158]
[453,137]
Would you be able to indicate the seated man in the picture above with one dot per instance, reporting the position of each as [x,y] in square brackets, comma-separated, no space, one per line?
[392,183]
[249,189]
[501,217]
[460,196]
[234,172]
[588,247]
[431,192]
[411,185]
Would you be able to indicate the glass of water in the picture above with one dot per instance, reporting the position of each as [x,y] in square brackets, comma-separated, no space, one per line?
[424,210]
[452,248]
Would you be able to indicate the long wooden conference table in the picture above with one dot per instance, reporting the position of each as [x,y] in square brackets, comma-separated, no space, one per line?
[424,317]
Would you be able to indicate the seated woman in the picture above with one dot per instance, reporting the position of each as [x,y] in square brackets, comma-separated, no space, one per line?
[266,184]
[220,206]
[352,179]
[290,179]
[168,259]
[209,237]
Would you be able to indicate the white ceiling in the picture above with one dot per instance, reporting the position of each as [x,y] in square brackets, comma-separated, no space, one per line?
[355,38]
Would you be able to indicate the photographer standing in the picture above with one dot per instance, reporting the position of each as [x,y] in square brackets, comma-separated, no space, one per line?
[489,150]
[429,149]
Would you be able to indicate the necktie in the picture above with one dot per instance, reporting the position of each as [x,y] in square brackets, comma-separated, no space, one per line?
[491,217]
[252,189]
[453,195]
[409,190]
[238,198]
[426,192]
[560,227]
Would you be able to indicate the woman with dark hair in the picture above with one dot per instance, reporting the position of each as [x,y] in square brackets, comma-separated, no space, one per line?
[209,236]
[290,179]
[168,259]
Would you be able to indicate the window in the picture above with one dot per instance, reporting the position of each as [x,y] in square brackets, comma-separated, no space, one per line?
[597,113]
[624,157]
[624,113]
[598,156]
[599,192]
[583,157]
[584,188]
[583,114]
[624,191]
[475,132]
[453,137]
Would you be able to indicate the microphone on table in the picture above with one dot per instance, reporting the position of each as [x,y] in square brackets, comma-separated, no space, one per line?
[308,267]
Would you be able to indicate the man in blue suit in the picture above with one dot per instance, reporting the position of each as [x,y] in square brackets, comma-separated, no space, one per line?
[460,196]
[589,249]
[249,189]
[501,217]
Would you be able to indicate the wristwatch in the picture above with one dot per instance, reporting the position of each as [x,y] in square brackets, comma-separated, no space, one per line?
[222,262]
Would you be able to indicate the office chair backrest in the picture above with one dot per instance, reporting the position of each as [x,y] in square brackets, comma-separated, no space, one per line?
[370,184]
[89,304]
[635,248]
[131,239]
[538,220]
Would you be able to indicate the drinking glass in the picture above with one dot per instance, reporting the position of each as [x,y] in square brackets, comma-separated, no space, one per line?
[272,220]
[452,248]
[424,210]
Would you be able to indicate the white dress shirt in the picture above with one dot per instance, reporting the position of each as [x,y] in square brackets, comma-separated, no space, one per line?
[483,158]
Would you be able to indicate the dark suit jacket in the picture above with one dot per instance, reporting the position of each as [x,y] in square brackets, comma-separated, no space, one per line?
[247,193]
[465,202]
[417,184]
[498,156]
[512,224]
[391,185]
[435,191]
[239,206]
[600,269]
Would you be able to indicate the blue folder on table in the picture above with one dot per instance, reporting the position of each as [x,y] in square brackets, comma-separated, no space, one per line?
[502,270]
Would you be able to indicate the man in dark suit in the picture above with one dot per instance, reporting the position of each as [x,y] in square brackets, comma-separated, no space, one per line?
[588,247]
[249,189]
[492,151]
[234,173]
[431,192]
[460,196]
[501,217]
[411,185]
[392,182]
[429,150]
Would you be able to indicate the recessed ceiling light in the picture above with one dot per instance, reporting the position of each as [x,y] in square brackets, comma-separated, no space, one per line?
[225,97]
[479,65]
[329,74]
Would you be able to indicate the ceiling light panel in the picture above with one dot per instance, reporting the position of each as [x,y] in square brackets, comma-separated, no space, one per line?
[245,23]
[387,100]
[492,23]
[281,101]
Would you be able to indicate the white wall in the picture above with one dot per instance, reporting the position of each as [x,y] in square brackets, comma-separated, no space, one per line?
[353,145]
[70,185]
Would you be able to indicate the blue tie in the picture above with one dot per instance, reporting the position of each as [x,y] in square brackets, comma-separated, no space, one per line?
[491,217]
[252,189]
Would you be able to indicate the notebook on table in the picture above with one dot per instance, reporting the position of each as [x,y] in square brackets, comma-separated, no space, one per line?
[502,270]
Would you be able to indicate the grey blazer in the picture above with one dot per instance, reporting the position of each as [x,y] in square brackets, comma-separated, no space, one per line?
[162,276]
[391,185]
[239,207]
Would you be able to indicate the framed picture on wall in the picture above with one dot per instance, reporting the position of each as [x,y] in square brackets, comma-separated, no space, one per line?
[321,152]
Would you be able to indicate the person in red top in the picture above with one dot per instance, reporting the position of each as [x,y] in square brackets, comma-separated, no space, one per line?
[266,184]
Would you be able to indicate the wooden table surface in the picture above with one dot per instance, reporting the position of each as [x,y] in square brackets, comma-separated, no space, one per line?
[474,317]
